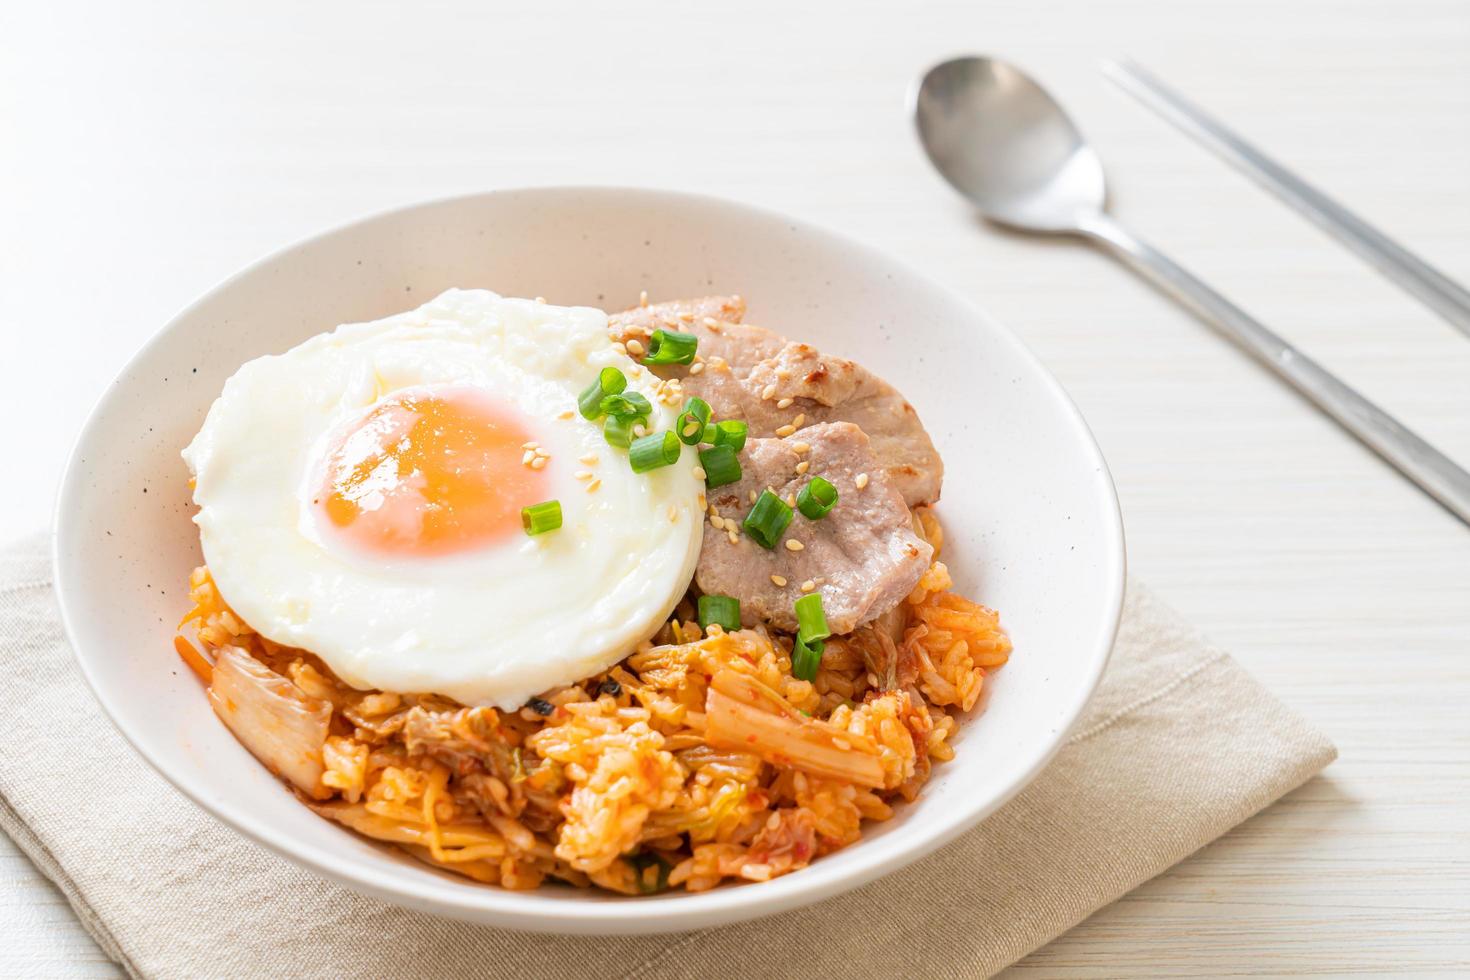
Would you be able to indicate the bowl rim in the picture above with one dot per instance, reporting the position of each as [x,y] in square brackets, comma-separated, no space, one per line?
[866,859]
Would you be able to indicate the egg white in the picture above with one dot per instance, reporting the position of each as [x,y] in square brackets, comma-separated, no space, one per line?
[492,626]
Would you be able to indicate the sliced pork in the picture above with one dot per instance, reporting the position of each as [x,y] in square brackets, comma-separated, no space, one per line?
[863,557]
[755,374]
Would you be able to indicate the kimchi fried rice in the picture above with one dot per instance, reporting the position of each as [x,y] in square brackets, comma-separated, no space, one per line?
[698,758]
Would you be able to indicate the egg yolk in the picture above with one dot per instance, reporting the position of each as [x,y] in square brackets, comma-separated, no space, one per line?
[430,472]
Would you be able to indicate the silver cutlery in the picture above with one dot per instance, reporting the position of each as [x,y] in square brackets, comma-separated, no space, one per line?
[1436,290]
[1006,145]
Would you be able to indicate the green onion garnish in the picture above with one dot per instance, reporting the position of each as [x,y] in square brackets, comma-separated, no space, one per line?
[626,404]
[671,347]
[720,466]
[618,430]
[721,609]
[729,432]
[767,520]
[805,659]
[816,499]
[650,872]
[542,517]
[653,451]
[609,381]
[692,421]
[811,621]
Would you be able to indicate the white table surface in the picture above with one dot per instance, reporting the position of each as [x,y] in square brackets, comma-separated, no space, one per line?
[149,149]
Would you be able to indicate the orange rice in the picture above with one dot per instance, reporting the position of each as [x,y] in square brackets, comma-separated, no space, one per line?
[697,759]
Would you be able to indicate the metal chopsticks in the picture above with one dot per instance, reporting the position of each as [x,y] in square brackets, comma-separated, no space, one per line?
[1442,294]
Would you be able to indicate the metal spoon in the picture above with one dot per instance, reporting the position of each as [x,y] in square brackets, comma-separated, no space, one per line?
[1007,146]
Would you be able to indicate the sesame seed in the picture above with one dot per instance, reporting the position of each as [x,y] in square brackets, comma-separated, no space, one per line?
[791,500]
[785,403]
[541,452]
[539,462]
[700,500]
[768,393]
[643,298]
[752,496]
[801,447]
[732,534]
[526,459]
[785,430]
[669,320]
[582,475]
[783,373]
[717,522]
[710,321]
[567,414]
[687,317]
[808,585]
[635,347]
[541,299]
[588,458]
[861,481]
[593,485]
[530,445]
[803,466]
[799,421]
[620,347]
[713,510]
[673,513]
[699,473]
[778,581]
[636,371]
[794,545]
[696,368]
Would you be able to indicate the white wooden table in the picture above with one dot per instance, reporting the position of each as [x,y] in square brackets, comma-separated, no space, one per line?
[149,149]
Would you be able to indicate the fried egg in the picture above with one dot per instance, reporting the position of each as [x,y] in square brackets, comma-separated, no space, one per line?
[360,497]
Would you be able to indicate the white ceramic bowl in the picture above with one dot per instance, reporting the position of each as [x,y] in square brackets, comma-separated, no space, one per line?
[1032,524]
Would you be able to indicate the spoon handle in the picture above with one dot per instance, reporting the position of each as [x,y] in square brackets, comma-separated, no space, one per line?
[1435,473]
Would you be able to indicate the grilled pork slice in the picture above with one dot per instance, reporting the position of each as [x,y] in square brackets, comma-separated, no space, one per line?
[679,314]
[863,557]
[755,374]
[281,726]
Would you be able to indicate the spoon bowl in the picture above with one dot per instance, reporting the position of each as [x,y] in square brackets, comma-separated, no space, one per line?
[1005,144]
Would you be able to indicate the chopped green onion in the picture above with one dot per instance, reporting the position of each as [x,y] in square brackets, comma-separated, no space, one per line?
[645,862]
[767,520]
[627,404]
[721,609]
[618,430]
[728,432]
[806,658]
[720,466]
[671,347]
[692,422]
[542,517]
[811,621]
[609,381]
[816,499]
[653,451]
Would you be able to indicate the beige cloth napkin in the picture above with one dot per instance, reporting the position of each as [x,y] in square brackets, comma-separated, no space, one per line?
[1179,745]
